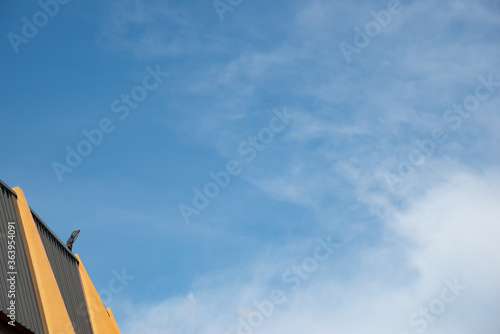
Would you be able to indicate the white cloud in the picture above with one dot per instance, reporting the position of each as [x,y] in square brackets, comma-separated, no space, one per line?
[450,232]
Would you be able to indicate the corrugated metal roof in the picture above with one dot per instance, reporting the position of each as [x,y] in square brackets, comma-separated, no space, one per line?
[65,267]
[27,310]
[40,222]
[6,187]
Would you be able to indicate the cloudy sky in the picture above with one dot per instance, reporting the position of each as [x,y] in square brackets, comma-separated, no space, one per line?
[265,167]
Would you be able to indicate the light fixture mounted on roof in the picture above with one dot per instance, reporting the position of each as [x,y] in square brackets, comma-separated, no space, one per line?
[72,239]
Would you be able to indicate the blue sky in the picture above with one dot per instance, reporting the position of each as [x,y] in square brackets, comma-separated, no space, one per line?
[391,151]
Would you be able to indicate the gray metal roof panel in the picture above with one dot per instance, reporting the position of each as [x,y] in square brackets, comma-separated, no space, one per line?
[27,310]
[63,245]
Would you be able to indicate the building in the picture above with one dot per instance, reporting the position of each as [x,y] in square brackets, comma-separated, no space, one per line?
[44,287]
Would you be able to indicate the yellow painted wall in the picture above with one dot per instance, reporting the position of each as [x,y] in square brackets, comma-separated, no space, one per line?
[102,320]
[55,316]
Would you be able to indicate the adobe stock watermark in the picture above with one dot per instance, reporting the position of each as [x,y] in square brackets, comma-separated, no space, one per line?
[424,316]
[115,286]
[11,273]
[222,6]
[453,117]
[122,107]
[292,279]
[248,149]
[30,28]
[363,37]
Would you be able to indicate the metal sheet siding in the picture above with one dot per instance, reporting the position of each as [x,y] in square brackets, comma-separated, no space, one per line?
[65,268]
[27,310]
